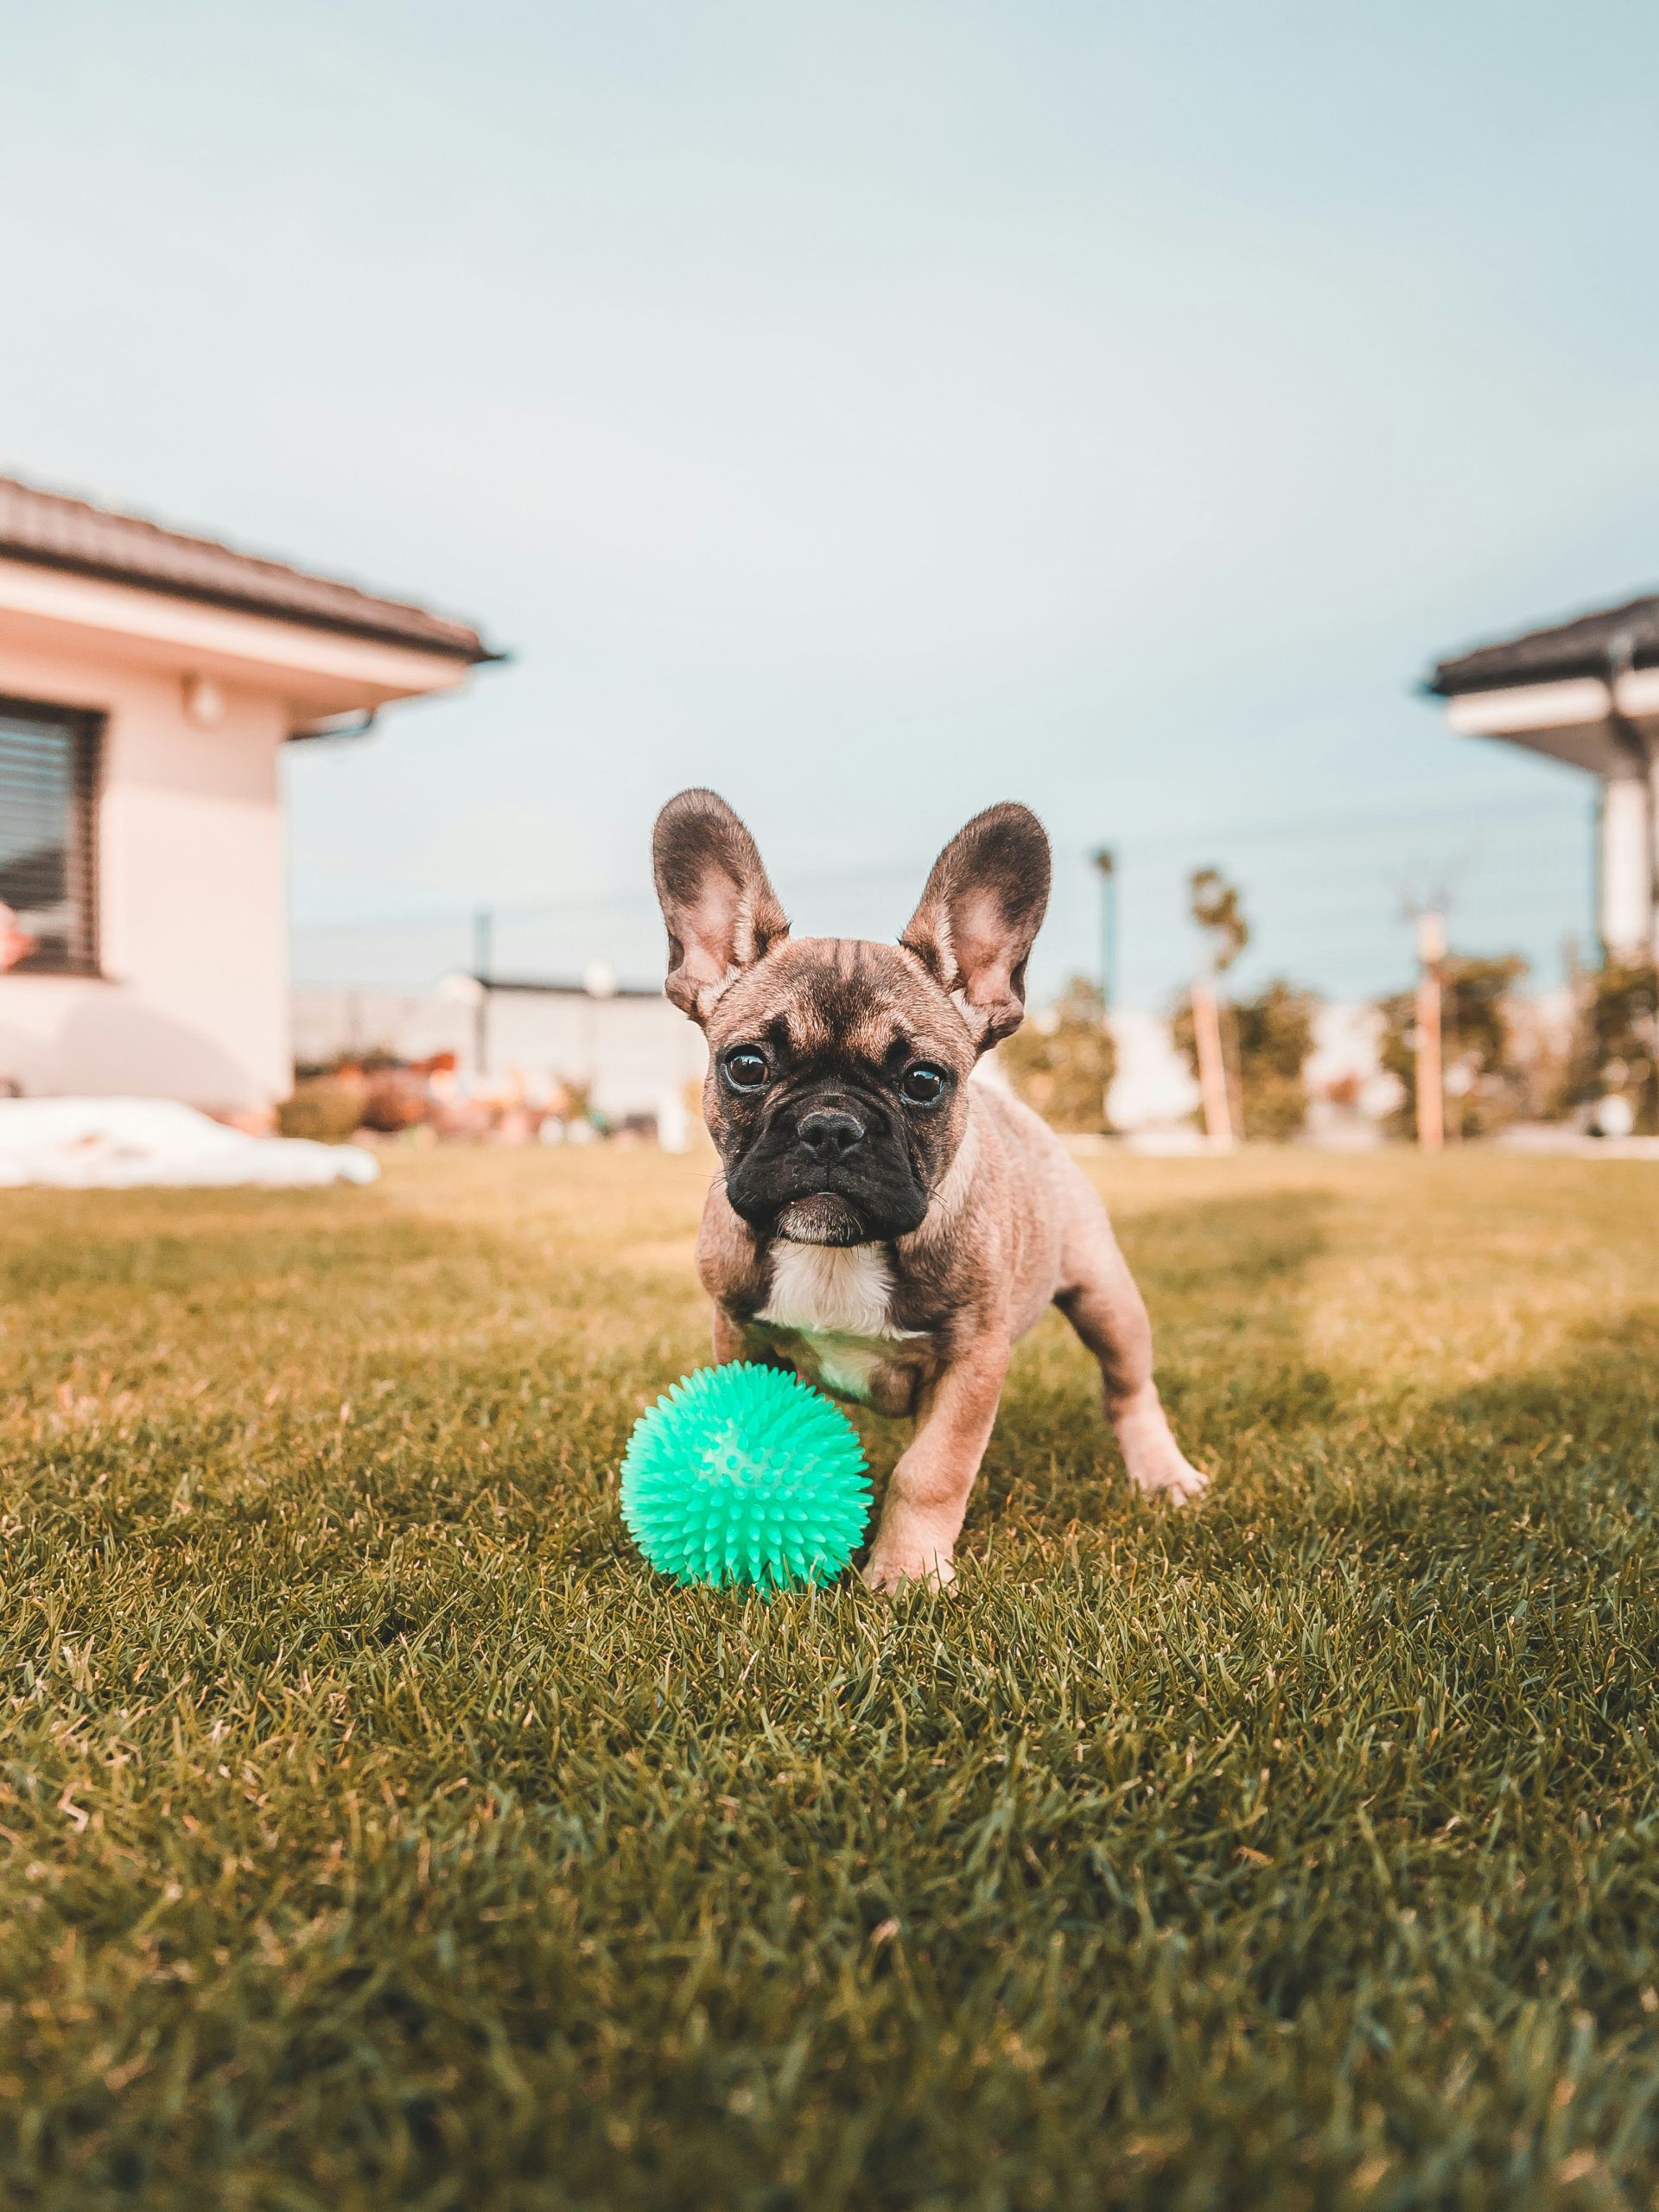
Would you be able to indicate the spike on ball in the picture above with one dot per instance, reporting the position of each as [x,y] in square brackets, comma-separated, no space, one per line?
[745,1474]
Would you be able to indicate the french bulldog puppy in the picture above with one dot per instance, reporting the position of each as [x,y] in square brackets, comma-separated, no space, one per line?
[882,1225]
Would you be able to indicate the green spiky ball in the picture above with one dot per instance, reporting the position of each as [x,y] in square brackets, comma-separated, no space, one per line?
[744,1474]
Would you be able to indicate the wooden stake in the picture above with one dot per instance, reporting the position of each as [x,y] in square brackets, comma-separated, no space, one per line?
[1212,1071]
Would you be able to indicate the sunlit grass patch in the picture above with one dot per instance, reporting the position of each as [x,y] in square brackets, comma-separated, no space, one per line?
[376,1831]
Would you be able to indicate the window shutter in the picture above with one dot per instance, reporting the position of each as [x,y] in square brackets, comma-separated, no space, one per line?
[48,820]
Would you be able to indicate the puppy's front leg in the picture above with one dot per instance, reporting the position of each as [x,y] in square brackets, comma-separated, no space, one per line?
[928,1493]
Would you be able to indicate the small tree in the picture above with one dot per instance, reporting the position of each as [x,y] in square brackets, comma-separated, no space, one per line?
[1062,1059]
[1215,906]
[1271,1037]
[1275,1033]
[1485,1082]
[1616,1044]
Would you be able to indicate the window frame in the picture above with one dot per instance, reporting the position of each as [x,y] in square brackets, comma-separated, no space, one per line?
[86,727]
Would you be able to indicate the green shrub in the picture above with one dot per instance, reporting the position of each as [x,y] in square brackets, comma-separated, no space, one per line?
[1614,1040]
[1062,1061]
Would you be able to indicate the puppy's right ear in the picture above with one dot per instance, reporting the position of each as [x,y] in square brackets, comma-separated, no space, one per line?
[983,905]
[722,912]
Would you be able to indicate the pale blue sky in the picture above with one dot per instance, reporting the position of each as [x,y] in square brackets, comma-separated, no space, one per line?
[877,411]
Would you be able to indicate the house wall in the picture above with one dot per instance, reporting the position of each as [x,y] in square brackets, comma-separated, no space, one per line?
[630,1052]
[1154,1086]
[192,1001]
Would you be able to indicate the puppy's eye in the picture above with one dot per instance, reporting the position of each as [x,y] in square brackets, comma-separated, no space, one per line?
[745,1068]
[922,1085]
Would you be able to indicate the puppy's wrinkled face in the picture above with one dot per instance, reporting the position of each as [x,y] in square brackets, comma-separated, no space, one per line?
[838,1069]
[835,1090]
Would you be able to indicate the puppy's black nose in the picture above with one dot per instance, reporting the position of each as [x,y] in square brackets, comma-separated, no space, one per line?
[829,1135]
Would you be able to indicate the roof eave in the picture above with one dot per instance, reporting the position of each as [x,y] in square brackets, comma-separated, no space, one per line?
[1450,681]
[471,651]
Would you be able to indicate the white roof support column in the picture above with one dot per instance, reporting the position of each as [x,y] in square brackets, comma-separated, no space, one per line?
[1624,887]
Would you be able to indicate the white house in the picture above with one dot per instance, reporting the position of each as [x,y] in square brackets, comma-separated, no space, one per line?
[148,682]
[1586,692]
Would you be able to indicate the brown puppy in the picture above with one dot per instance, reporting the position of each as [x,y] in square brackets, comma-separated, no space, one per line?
[882,1225]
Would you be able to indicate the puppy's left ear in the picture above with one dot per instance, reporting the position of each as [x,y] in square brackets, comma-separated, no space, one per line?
[983,905]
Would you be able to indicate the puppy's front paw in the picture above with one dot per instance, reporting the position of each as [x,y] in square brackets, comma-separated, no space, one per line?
[890,1572]
[909,1552]
[1160,1470]
[1168,1475]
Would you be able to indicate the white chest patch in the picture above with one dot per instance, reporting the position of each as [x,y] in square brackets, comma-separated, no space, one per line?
[841,1296]
[832,1289]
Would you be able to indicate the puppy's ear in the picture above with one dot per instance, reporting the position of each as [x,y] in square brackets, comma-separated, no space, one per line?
[983,905]
[722,912]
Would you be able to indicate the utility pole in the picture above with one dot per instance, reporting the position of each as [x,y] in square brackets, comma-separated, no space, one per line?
[1105,862]
[483,964]
[1431,1091]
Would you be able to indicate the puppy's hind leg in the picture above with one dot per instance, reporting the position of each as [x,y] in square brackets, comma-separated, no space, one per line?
[1099,1298]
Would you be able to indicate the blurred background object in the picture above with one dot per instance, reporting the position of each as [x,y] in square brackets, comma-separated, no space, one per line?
[874,417]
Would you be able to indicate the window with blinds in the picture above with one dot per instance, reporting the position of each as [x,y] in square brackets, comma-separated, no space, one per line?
[48,861]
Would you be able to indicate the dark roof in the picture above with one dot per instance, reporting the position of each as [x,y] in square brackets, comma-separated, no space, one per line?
[550,986]
[58,532]
[1579,647]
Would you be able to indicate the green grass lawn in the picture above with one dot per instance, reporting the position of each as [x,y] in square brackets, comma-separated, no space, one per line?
[375,1831]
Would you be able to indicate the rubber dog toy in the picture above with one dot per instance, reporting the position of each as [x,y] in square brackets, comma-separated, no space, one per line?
[745,1474]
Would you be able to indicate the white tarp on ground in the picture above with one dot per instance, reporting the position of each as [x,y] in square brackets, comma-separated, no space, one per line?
[117,1143]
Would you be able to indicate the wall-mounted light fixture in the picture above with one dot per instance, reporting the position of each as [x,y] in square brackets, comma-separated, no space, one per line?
[204,702]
